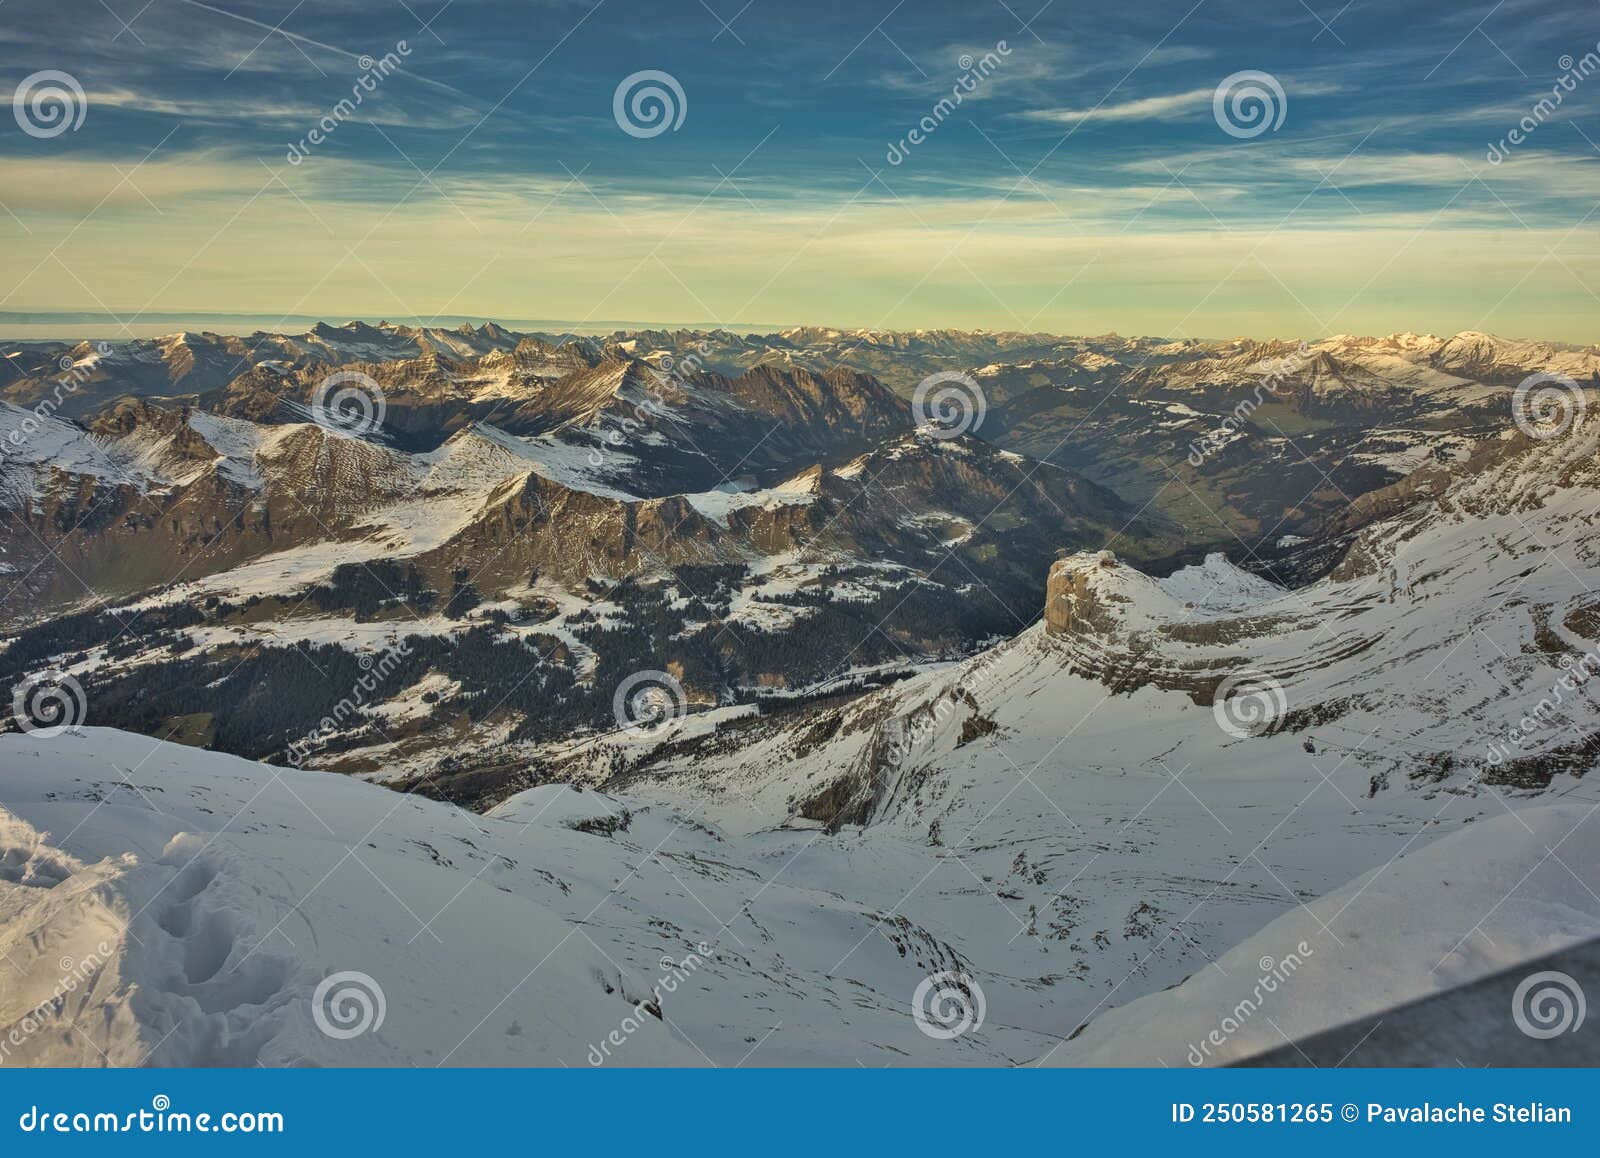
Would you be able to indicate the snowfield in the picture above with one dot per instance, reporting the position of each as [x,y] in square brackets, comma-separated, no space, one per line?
[1388,937]
[219,893]
[166,906]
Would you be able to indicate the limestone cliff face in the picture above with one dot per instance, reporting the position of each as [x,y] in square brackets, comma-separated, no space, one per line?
[1114,624]
[1073,604]
[1106,617]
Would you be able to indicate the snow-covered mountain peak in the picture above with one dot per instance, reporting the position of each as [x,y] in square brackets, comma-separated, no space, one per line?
[1092,593]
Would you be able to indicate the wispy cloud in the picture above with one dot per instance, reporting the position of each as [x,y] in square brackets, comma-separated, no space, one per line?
[1175,106]
[383,109]
[1157,108]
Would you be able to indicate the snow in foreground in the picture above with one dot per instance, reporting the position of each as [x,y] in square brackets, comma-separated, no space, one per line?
[162,905]
[1448,914]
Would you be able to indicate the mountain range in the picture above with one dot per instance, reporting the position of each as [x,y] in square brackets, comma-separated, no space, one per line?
[800,668]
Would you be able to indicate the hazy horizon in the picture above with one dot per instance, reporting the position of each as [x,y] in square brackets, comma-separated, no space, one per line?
[84,326]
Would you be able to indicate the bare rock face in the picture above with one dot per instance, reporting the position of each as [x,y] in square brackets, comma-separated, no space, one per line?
[1127,630]
[1100,611]
[533,524]
[1073,602]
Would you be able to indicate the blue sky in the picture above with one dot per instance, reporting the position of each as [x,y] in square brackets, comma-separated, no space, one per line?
[1082,184]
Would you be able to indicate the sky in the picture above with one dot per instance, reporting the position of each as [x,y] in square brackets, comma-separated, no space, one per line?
[814,166]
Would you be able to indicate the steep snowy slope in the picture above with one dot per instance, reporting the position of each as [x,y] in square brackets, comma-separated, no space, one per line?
[1500,893]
